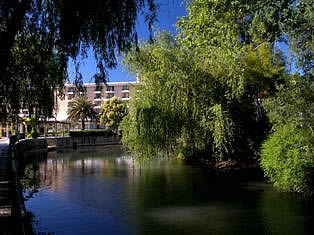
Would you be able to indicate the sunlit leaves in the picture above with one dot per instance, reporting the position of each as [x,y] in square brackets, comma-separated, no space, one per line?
[112,113]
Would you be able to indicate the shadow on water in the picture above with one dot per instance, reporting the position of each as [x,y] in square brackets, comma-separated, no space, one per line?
[97,191]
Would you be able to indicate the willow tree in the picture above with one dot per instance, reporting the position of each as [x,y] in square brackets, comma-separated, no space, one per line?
[34,74]
[201,92]
[192,106]
[67,28]
[163,110]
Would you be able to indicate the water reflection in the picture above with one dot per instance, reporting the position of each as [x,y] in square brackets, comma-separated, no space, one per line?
[103,191]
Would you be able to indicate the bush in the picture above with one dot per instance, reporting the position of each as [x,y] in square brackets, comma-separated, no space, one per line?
[86,133]
[34,134]
[287,158]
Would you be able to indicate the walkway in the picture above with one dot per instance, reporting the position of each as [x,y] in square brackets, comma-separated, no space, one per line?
[5,173]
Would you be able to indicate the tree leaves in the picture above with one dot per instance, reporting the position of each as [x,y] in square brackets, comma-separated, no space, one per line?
[82,109]
[112,113]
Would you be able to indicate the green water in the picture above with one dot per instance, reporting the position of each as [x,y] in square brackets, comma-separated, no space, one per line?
[102,191]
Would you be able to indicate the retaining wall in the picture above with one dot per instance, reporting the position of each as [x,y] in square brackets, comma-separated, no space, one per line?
[27,147]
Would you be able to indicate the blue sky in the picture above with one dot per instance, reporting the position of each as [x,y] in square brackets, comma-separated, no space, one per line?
[169,12]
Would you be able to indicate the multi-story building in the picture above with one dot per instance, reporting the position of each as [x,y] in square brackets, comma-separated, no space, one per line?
[97,94]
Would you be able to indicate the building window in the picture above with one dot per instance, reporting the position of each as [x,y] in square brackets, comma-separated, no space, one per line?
[125,88]
[97,110]
[97,104]
[97,96]
[99,88]
[126,95]
[109,96]
[71,90]
[110,88]
[83,90]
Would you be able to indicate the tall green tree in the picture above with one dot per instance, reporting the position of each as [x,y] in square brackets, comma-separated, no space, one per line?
[112,112]
[287,154]
[34,76]
[288,21]
[186,104]
[82,109]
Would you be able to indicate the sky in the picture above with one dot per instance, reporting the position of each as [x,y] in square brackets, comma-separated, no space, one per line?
[169,12]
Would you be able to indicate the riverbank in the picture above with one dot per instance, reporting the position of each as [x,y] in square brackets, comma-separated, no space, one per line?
[244,170]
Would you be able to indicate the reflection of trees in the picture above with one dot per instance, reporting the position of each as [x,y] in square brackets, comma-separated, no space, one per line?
[54,171]
[284,214]
[30,180]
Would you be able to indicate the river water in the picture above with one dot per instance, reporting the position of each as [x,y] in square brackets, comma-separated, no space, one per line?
[103,191]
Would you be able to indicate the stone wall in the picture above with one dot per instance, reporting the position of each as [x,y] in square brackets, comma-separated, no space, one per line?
[59,142]
[95,140]
[55,143]
[27,147]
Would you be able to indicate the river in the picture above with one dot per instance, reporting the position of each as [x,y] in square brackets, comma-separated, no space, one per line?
[103,191]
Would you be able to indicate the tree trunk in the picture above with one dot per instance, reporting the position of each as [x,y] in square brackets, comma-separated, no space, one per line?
[83,124]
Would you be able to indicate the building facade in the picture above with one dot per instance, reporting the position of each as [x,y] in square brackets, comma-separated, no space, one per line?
[97,94]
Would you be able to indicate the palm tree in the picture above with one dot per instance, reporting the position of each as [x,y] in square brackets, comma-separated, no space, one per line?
[82,109]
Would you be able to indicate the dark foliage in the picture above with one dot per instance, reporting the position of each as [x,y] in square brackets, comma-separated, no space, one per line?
[59,30]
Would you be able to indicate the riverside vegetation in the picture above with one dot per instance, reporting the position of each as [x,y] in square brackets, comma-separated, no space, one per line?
[223,90]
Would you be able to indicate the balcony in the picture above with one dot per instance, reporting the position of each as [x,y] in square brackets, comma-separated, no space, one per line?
[97,99]
[97,92]
[126,98]
[70,92]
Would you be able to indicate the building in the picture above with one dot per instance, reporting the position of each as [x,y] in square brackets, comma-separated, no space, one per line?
[99,95]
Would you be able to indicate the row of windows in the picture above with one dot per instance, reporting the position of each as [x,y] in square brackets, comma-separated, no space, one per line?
[98,103]
[99,96]
[108,96]
[108,88]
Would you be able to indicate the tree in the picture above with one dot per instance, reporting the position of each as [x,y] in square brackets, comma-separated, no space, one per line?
[68,28]
[35,76]
[287,154]
[288,21]
[229,24]
[112,112]
[193,103]
[82,109]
